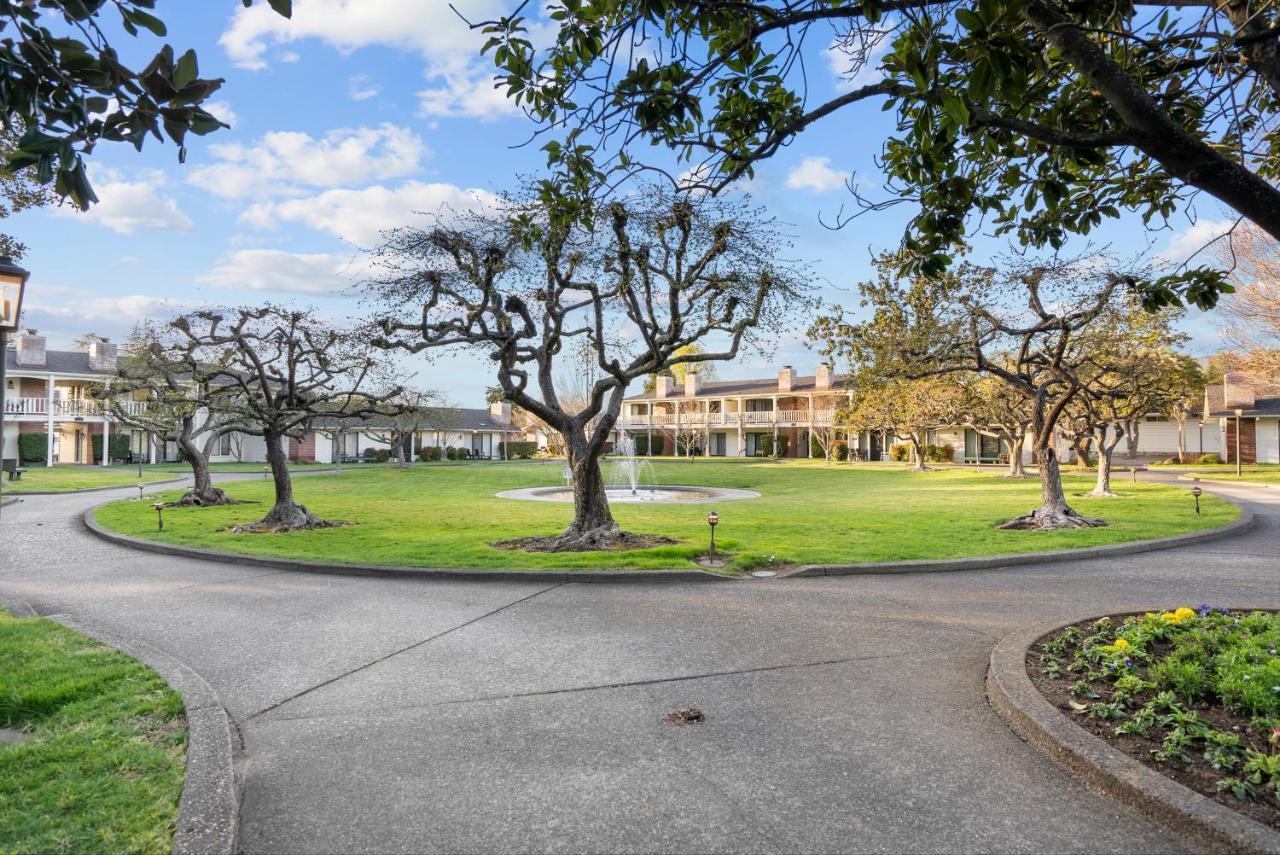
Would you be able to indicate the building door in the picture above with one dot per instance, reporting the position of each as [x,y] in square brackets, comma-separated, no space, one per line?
[719,444]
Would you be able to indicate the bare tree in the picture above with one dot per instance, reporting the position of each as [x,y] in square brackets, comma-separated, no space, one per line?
[970,321]
[525,283]
[281,369]
[163,388]
[405,413]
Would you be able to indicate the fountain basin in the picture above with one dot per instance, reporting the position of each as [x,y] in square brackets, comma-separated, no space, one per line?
[647,494]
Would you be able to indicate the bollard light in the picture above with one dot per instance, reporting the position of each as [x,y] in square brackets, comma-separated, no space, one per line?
[266,470]
[140,488]
[159,506]
[713,519]
[1195,492]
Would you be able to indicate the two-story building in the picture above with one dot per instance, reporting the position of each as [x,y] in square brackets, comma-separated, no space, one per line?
[739,418]
[50,393]
[1244,418]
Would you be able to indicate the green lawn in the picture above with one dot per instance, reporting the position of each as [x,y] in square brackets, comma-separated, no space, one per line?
[1259,472]
[57,479]
[446,516]
[102,765]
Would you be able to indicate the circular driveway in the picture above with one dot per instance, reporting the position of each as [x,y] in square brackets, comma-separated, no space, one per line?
[843,713]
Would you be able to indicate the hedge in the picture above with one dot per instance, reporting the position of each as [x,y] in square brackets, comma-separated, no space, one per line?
[120,447]
[33,447]
[519,450]
[642,445]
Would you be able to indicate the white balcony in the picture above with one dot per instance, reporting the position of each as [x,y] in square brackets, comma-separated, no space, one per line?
[765,418]
[64,407]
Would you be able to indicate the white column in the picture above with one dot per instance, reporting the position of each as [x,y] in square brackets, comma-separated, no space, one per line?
[808,445]
[775,427]
[106,441]
[151,444]
[49,430]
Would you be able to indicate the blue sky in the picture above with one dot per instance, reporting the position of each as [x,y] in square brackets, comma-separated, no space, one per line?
[348,119]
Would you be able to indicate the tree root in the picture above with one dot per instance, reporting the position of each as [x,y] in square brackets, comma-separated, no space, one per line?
[285,518]
[192,499]
[591,540]
[1105,494]
[1051,519]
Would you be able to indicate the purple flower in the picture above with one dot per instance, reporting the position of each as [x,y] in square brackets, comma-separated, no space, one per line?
[1128,663]
[1205,610]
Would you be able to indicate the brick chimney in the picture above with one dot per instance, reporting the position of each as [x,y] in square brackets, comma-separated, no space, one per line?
[501,410]
[30,349]
[822,377]
[1237,391]
[692,385]
[102,356]
[662,386]
[786,379]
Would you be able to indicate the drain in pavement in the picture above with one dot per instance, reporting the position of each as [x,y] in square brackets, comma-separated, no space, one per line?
[688,715]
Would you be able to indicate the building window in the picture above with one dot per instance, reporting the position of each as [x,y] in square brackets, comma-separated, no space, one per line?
[224,444]
[760,405]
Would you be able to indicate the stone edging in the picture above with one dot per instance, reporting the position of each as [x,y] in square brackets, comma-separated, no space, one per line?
[209,809]
[1208,825]
[1240,524]
[1222,482]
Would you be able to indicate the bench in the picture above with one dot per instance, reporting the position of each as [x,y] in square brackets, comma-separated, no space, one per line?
[12,469]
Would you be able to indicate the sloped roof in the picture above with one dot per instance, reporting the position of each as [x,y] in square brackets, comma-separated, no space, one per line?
[56,362]
[1266,401]
[766,386]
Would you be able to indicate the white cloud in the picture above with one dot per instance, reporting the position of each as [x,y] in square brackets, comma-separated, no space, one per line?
[461,81]
[815,173]
[858,64]
[1192,239]
[361,88]
[76,310]
[130,206]
[278,271]
[361,216]
[284,158]
[222,110]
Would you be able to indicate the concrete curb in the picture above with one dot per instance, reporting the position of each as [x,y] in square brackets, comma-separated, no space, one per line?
[209,809]
[1221,482]
[1207,825]
[690,575]
[1240,524]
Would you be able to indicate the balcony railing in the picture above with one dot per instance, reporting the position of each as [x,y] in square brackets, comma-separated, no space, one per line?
[66,407]
[787,418]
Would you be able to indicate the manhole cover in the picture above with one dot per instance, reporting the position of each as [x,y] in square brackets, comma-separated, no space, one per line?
[688,715]
[763,574]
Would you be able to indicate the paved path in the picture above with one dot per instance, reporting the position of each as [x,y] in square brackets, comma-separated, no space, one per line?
[432,715]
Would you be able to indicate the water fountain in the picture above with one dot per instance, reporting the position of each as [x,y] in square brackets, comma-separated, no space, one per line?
[625,473]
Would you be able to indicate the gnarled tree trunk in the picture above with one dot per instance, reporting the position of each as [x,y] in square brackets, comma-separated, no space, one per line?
[1054,512]
[285,514]
[1080,445]
[917,452]
[1015,441]
[1131,428]
[1106,450]
[202,492]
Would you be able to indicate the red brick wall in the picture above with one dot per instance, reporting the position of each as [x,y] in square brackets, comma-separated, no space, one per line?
[31,388]
[304,451]
[1248,441]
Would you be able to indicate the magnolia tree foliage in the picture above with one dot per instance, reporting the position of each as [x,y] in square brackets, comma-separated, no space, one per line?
[1025,327]
[184,400]
[281,369]
[635,281]
[67,88]
[1042,118]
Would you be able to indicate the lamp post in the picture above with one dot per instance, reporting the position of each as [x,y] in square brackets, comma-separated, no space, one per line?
[1195,492]
[13,283]
[159,506]
[713,519]
[1239,413]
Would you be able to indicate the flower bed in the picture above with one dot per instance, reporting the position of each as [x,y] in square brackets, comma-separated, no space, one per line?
[1193,693]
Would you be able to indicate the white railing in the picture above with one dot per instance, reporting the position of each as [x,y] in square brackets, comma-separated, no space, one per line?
[763,417]
[63,407]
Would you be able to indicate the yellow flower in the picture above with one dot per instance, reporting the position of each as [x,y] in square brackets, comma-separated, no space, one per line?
[1184,613]
[1150,614]
[1170,617]
[1121,644]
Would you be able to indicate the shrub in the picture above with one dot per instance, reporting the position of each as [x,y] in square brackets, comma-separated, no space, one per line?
[118,447]
[33,447]
[900,452]
[520,450]
[642,445]
[939,453]
[429,453]
[369,455]
[840,450]
[1208,459]
[382,455]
